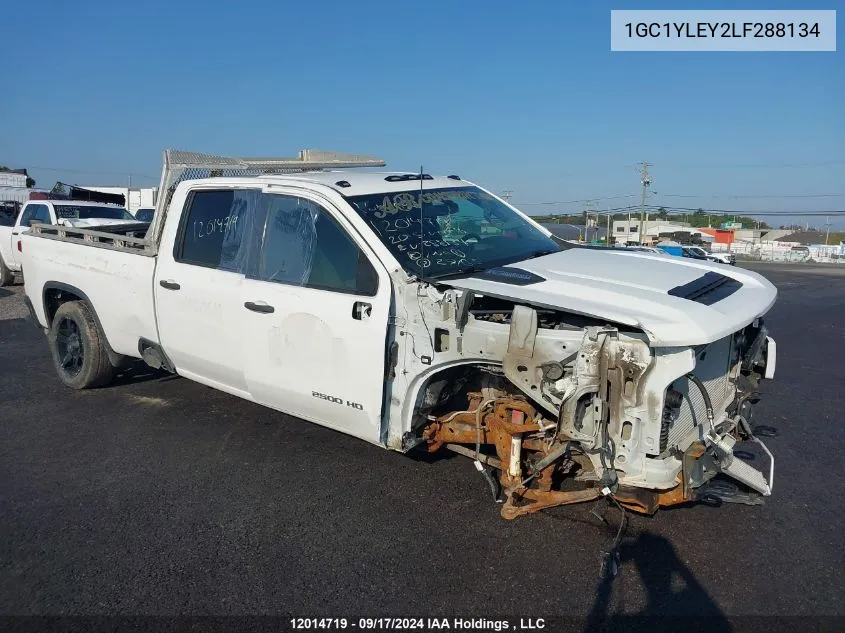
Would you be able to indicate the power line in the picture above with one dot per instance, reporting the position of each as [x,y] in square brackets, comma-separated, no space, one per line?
[744,197]
[760,166]
[627,195]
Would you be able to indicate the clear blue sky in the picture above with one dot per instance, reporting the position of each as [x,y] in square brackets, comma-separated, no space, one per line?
[525,96]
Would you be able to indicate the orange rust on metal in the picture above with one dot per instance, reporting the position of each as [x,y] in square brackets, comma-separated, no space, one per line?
[696,449]
[544,479]
[648,501]
[534,445]
[514,406]
[542,500]
[437,434]
[638,500]
[506,419]
[673,497]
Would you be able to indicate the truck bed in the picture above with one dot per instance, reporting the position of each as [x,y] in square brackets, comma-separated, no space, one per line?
[110,267]
[127,237]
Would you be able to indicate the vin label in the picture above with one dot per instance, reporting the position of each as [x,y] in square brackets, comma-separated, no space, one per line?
[726,30]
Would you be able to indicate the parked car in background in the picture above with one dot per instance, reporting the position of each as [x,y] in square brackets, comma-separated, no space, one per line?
[698,253]
[71,213]
[694,252]
[723,258]
[9,212]
[145,214]
[671,248]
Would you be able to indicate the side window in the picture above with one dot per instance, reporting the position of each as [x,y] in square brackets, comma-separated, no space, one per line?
[304,246]
[28,212]
[35,213]
[217,229]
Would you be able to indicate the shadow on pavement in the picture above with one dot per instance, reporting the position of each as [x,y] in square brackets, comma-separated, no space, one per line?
[675,599]
[139,372]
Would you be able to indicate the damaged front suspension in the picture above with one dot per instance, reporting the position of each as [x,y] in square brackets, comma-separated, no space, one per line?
[532,467]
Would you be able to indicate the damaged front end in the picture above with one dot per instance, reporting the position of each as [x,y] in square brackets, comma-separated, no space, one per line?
[575,410]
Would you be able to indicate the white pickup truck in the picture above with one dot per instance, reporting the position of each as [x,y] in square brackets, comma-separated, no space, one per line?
[61,212]
[406,310]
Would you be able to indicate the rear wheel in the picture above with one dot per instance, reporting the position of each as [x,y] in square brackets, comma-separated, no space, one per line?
[6,275]
[79,351]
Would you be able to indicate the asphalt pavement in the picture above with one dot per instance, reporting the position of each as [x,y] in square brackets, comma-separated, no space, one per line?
[159,496]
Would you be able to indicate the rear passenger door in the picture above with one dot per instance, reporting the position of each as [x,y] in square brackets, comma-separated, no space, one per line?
[199,283]
[315,308]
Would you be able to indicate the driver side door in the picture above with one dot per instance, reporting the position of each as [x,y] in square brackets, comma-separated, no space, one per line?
[314,311]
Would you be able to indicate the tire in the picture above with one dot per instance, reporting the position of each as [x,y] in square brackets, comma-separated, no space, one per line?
[6,275]
[78,348]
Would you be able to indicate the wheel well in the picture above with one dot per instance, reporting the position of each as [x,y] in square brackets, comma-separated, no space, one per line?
[56,294]
[55,297]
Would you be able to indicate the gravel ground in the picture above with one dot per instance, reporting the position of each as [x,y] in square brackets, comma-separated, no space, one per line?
[11,302]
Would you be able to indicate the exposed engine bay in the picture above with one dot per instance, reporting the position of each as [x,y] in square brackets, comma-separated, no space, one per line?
[577,409]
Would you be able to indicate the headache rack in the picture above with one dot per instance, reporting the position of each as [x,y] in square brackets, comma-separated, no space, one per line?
[179,166]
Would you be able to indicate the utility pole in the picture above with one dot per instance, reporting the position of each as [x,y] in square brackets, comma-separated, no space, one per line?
[645,181]
[507,193]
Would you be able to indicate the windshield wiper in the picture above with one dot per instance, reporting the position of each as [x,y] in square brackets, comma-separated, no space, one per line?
[540,253]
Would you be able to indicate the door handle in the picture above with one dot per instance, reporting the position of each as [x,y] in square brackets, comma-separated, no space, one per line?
[169,284]
[259,306]
[361,311]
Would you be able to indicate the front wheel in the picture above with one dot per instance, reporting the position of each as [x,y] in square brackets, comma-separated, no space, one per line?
[79,351]
[6,275]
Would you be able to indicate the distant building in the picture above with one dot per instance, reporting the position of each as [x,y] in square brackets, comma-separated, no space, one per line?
[135,198]
[720,236]
[626,232]
[13,186]
[575,232]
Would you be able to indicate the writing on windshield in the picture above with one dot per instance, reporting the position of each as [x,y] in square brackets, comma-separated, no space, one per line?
[449,230]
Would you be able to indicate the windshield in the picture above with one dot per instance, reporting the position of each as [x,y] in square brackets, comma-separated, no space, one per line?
[87,212]
[460,229]
[698,251]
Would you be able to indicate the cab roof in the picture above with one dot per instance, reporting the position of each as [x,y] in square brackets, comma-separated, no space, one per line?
[349,183]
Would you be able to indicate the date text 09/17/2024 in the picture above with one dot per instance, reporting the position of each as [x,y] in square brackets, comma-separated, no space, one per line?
[722,29]
[418,624]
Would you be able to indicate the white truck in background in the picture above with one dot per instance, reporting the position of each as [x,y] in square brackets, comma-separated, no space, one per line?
[60,212]
[412,310]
